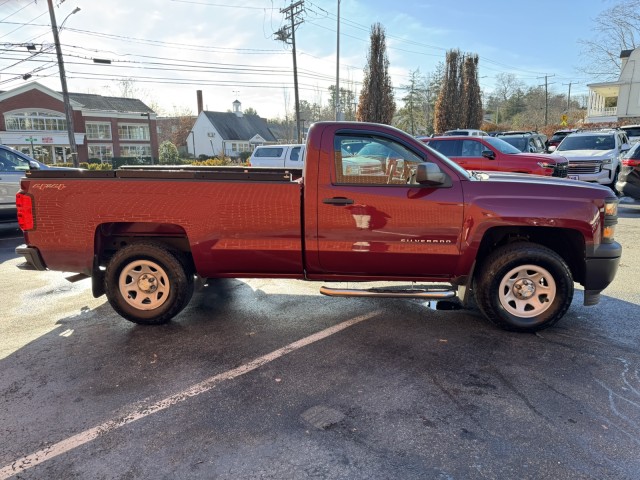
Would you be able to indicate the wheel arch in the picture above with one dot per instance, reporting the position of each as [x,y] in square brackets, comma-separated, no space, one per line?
[569,244]
[112,236]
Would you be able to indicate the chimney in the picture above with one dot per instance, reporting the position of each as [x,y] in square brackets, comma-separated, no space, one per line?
[199,95]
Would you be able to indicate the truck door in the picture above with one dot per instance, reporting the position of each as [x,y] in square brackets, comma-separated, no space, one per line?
[373,219]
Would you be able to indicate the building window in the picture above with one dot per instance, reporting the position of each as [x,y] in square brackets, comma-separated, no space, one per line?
[101,152]
[98,131]
[135,151]
[33,120]
[133,131]
[234,147]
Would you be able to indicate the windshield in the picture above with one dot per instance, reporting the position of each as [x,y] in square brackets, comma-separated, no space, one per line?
[519,142]
[501,145]
[587,142]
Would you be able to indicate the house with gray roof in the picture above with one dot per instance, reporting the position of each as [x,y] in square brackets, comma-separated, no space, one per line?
[228,133]
[32,120]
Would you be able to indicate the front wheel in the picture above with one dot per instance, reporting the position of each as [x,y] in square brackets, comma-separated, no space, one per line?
[147,283]
[524,287]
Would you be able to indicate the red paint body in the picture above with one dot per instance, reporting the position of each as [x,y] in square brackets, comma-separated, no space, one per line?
[248,228]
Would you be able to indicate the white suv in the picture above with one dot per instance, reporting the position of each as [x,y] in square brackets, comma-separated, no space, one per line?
[594,155]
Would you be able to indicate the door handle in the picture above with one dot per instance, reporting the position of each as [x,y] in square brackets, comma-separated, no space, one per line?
[338,201]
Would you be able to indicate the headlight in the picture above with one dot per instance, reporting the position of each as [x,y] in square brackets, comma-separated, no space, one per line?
[611,208]
[546,165]
[607,161]
[610,220]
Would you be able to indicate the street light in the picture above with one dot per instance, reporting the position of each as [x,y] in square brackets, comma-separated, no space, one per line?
[63,81]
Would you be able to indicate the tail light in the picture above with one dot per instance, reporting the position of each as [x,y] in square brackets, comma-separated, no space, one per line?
[630,162]
[24,205]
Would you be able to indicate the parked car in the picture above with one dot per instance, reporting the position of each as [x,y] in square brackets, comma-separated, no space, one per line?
[466,131]
[633,133]
[13,166]
[594,155]
[494,154]
[629,179]
[281,156]
[530,142]
[557,137]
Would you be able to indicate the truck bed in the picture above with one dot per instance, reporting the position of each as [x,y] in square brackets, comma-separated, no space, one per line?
[239,221]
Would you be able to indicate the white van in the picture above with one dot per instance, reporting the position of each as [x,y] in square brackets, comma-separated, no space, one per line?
[283,156]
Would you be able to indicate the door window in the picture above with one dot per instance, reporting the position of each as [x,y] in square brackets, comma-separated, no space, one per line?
[471,148]
[373,161]
[449,148]
[295,154]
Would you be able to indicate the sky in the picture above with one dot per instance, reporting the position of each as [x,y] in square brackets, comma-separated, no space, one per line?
[227,49]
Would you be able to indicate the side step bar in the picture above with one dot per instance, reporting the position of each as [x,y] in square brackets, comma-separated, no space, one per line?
[426,293]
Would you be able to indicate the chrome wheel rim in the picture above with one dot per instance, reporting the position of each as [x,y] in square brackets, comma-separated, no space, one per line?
[144,285]
[527,291]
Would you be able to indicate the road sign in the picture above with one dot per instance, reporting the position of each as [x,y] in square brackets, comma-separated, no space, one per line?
[564,120]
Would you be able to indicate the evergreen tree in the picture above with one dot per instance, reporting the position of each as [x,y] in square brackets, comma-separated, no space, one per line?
[412,116]
[376,102]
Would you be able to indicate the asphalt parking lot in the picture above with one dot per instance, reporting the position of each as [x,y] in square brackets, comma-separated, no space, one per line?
[268,379]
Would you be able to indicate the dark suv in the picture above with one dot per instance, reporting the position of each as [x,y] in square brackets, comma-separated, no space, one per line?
[629,178]
[557,137]
[530,142]
[494,154]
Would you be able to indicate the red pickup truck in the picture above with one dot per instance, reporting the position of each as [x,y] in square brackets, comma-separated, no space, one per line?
[145,235]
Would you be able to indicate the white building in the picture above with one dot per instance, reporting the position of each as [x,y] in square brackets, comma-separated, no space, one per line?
[228,133]
[620,100]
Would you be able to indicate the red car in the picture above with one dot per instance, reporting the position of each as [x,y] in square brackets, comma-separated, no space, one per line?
[494,154]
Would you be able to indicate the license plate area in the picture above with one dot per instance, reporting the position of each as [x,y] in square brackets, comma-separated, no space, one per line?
[573,177]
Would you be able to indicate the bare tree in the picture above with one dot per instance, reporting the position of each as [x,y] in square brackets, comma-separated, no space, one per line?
[616,28]
[376,98]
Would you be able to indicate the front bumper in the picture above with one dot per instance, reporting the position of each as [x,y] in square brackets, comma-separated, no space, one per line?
[33,258]
[601,266]
[604,177]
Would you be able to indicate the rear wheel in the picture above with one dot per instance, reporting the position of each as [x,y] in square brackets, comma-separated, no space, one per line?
[524,287]
[148,283]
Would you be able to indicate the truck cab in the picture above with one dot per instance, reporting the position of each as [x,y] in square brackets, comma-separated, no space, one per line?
[279,156]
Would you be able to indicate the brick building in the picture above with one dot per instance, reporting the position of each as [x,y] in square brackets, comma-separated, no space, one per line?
[32,120]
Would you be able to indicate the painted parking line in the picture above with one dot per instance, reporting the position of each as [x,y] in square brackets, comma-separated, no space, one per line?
[139,412]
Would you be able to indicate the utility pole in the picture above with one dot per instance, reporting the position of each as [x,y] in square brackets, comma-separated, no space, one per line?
[568,95]
[339,115]
[63,81]
[293,13]
[546,98]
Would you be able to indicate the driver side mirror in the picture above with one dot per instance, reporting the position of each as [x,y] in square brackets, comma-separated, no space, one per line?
[429,174]
[488,154]
[552,148]
[34,166]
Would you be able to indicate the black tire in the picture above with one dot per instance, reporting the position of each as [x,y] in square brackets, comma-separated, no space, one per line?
[163,287]
[524,287]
